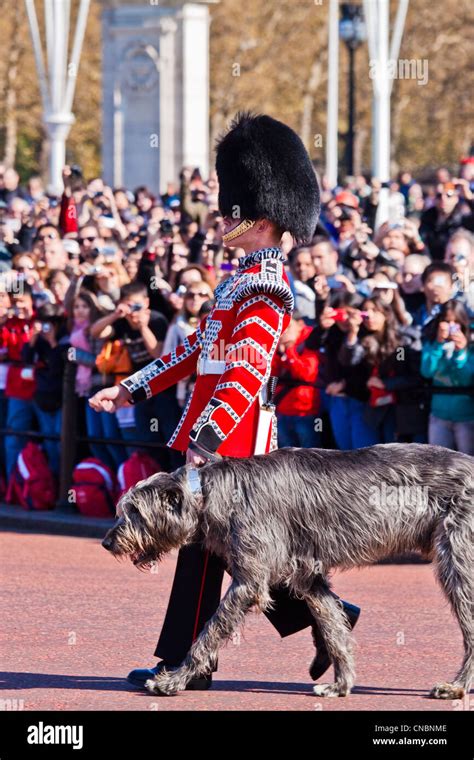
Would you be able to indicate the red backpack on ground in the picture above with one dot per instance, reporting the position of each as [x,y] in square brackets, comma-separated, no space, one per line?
[32,484]
[138,467]
[94,488]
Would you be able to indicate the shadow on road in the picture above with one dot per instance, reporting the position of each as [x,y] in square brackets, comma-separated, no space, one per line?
[307,688]
[21,680]
[14,680]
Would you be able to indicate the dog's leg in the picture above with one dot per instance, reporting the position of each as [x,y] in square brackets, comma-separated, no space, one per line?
[335,630]
[203,653]
[454,563]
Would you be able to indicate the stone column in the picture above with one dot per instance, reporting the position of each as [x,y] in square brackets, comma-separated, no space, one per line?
[155,92]
[195,86]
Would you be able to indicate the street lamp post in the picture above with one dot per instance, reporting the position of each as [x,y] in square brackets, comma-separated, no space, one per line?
[383,51]
[352,32]
[57,76]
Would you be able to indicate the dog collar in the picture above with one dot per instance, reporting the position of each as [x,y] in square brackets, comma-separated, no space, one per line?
[194,481]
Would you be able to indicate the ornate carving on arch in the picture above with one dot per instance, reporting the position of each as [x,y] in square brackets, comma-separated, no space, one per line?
[140,67]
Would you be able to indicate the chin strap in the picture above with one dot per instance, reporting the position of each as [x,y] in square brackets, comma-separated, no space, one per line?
[245,224]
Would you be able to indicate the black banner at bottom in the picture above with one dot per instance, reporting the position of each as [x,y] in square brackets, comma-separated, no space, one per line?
[431,734]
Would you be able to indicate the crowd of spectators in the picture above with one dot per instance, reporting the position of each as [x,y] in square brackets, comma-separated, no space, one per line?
[378,346]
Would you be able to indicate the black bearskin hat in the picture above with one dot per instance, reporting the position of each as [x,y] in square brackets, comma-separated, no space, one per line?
[265,171]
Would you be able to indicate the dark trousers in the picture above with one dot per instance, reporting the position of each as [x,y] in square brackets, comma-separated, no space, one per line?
[195,596]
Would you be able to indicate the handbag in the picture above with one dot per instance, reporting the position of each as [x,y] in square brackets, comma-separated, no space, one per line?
[114,360]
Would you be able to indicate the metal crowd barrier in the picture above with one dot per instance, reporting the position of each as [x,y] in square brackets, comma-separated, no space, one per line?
[69,437]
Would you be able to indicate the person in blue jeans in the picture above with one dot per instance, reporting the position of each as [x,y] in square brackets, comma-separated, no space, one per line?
[363,402]
[19,378]
[448,359]
[5,305]
[20,416]
[46,351]
[104,425]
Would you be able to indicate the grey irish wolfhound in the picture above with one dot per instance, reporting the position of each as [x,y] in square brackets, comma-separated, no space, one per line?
[292,516]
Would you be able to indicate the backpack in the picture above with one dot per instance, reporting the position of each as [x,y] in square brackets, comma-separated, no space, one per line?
[93,488]
[32,484]
[138,467]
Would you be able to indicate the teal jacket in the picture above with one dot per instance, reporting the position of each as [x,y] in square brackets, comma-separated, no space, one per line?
[449,368]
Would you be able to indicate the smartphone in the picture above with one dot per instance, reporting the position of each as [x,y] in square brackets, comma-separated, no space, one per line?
[108,252]
[335,284]
[385,286]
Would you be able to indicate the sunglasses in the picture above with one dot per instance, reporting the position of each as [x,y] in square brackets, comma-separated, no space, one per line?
[89,239]
[50,235]
[196,295]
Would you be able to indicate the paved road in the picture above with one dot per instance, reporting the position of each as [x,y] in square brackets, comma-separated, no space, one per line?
[74,621]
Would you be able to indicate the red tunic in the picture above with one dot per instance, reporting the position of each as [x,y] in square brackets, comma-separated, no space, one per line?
[252,308]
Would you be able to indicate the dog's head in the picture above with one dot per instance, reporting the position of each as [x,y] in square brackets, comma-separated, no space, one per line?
[153,517]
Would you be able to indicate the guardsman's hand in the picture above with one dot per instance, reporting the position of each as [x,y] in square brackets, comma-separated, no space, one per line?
[110,399]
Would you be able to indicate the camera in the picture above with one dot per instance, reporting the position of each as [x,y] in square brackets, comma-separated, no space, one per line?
[339,315]
[136,307]
[166,228]
[76,172]
[46,327]
[345,215]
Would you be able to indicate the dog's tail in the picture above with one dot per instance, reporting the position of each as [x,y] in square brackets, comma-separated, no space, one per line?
[454,560]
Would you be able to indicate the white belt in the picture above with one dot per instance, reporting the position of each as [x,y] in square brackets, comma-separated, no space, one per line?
[210,366]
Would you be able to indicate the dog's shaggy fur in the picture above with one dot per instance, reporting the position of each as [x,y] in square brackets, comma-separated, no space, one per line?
[292,516]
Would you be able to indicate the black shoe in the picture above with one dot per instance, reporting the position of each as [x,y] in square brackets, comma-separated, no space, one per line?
[139,676]
[322,661]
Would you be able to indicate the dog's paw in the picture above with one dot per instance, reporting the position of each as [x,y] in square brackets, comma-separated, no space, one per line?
[447,691]
[330,690]
[161,686]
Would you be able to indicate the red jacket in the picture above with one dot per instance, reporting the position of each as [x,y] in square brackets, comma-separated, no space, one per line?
[300,364]
[14,334]
[252,309]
